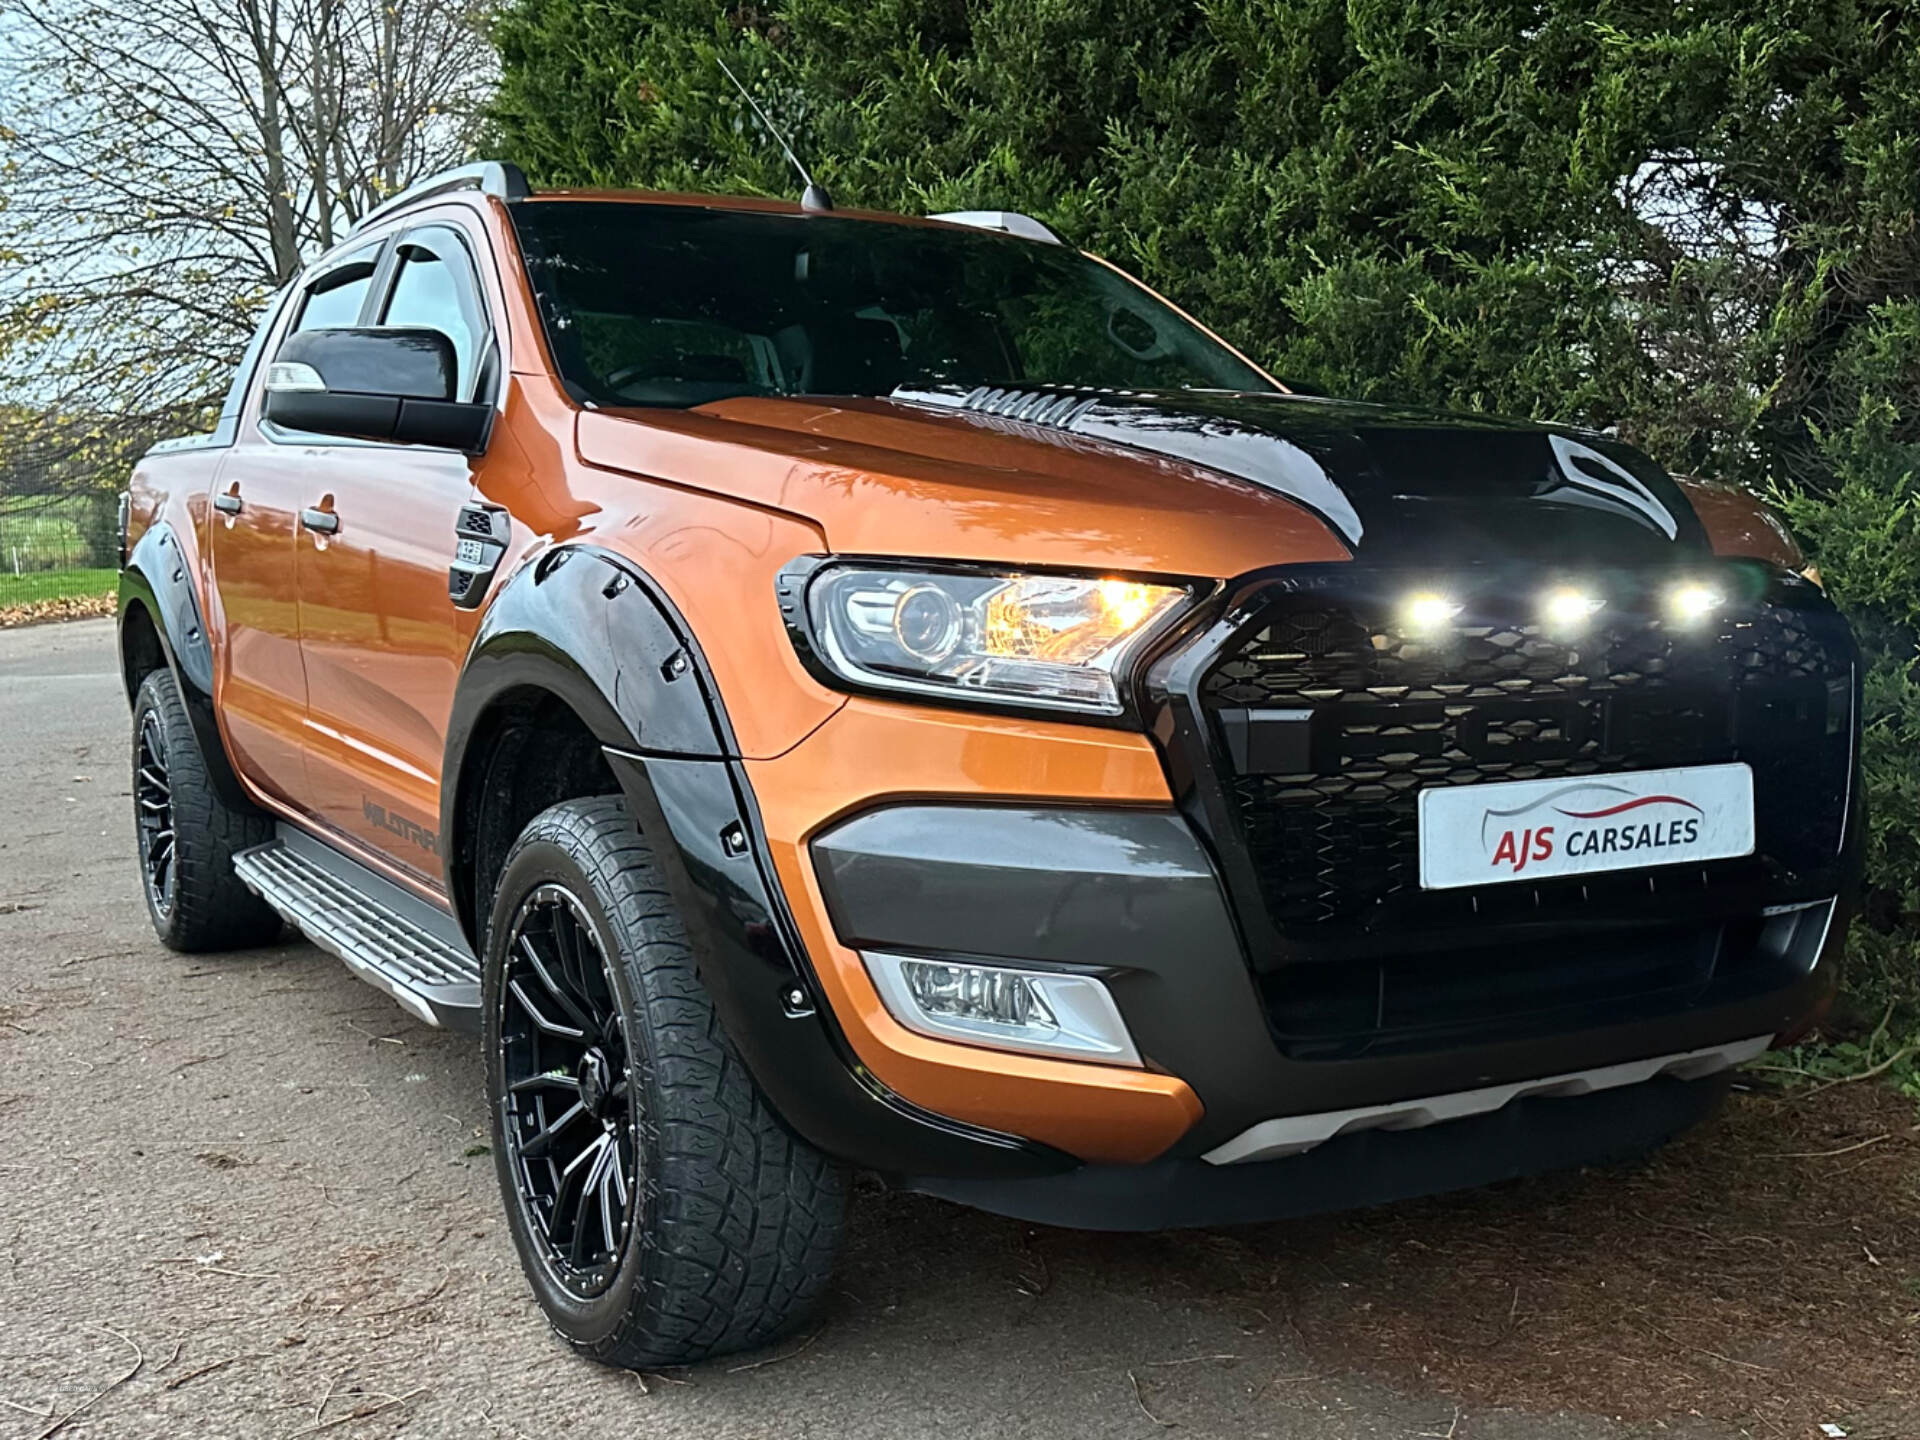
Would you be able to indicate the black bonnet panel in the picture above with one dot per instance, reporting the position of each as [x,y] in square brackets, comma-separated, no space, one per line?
[1396,486]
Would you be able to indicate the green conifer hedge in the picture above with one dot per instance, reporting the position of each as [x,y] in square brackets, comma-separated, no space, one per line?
[1696,222]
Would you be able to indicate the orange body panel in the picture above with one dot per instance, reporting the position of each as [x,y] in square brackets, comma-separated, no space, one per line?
[382,645]
[260,684]
[873,749]
[1741,525]
[882,479]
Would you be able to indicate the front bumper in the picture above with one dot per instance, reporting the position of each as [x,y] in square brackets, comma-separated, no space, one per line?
[1131,897]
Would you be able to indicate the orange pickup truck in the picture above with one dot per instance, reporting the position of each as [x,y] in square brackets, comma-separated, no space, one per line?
[821,691]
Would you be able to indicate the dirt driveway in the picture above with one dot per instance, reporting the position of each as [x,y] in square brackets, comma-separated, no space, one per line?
[247,1196]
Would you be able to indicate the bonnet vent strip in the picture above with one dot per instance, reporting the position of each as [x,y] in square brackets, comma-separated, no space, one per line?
[1035,407]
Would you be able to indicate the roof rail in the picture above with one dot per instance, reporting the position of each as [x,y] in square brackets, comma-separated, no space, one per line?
[1007,222]
[489,177]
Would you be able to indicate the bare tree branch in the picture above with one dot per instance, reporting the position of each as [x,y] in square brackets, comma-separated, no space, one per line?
[165,165]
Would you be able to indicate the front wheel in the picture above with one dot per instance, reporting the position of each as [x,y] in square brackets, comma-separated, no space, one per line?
[662,1213]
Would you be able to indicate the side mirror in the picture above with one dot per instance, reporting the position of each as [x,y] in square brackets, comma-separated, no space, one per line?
[393,385]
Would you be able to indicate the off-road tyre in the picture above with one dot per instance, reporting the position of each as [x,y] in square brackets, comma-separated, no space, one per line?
[195,900]
[731,1233]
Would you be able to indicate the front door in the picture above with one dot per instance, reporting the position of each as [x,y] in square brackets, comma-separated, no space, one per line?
[259,489]
[381,642]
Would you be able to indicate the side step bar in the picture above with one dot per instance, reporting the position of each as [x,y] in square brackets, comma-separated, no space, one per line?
[389,938]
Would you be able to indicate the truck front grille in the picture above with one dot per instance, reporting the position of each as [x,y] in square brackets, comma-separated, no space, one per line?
[1506,701]
[1322,718]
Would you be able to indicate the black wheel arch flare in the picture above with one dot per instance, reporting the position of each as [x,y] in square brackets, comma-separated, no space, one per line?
[592,629]
[158,580]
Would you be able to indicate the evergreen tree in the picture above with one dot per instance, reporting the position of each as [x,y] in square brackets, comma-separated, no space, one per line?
[1696,222]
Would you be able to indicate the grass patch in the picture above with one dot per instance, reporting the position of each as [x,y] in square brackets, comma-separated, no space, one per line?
[1888,1055]
[41,533]
[33,589]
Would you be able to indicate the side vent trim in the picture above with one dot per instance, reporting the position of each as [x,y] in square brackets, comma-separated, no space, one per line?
[1036,407]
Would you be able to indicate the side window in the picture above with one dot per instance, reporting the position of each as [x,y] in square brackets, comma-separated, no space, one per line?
[431,292]
[329,302]
[337,300]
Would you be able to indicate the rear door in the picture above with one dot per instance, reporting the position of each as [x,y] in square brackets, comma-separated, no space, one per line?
[381,641]
[259,489]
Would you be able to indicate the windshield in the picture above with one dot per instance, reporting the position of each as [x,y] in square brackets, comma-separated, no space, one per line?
[678,305]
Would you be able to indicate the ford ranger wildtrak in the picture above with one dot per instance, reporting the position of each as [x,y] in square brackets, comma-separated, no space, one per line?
[820,691]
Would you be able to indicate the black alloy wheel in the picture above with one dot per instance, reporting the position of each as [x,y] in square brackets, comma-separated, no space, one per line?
[187,834]
[663,1214]
[153,814]
[568,1102]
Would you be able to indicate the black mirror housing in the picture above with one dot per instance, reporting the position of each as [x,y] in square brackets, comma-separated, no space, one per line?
[393,385]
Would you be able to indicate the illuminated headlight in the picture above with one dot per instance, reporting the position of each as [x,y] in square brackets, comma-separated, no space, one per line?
[1042,1012]
[1693,602]
[1567,607]
[1057,641]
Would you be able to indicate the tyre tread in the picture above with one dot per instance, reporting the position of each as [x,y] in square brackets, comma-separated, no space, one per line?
[741,1222]
[212,907]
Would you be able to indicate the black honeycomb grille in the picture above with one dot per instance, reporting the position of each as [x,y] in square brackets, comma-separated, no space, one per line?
[1332,837]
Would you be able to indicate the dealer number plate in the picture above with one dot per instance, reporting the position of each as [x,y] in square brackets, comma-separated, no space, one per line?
[1540,829]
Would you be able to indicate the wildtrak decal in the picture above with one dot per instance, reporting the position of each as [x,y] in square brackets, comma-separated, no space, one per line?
[382,818]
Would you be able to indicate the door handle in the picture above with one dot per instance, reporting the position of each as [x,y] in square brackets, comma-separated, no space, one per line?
[323,522]
[227,504]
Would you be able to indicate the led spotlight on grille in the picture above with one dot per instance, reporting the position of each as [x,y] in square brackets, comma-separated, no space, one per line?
[1428,611]
[1568,607]
[1693,602]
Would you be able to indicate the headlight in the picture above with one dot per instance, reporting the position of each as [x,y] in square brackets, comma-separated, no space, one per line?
[1055,641]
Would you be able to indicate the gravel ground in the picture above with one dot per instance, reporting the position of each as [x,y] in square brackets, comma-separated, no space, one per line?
[245,1195]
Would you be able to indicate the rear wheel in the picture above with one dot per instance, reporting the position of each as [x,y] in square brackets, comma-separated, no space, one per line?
[187,835]
[662,1213]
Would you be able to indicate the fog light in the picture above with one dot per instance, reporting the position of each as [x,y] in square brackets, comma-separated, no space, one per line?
[1569,608]
[1427,611]
[1693,602]
[1042,1012]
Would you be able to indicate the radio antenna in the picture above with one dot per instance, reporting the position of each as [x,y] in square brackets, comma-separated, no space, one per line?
[814,197]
